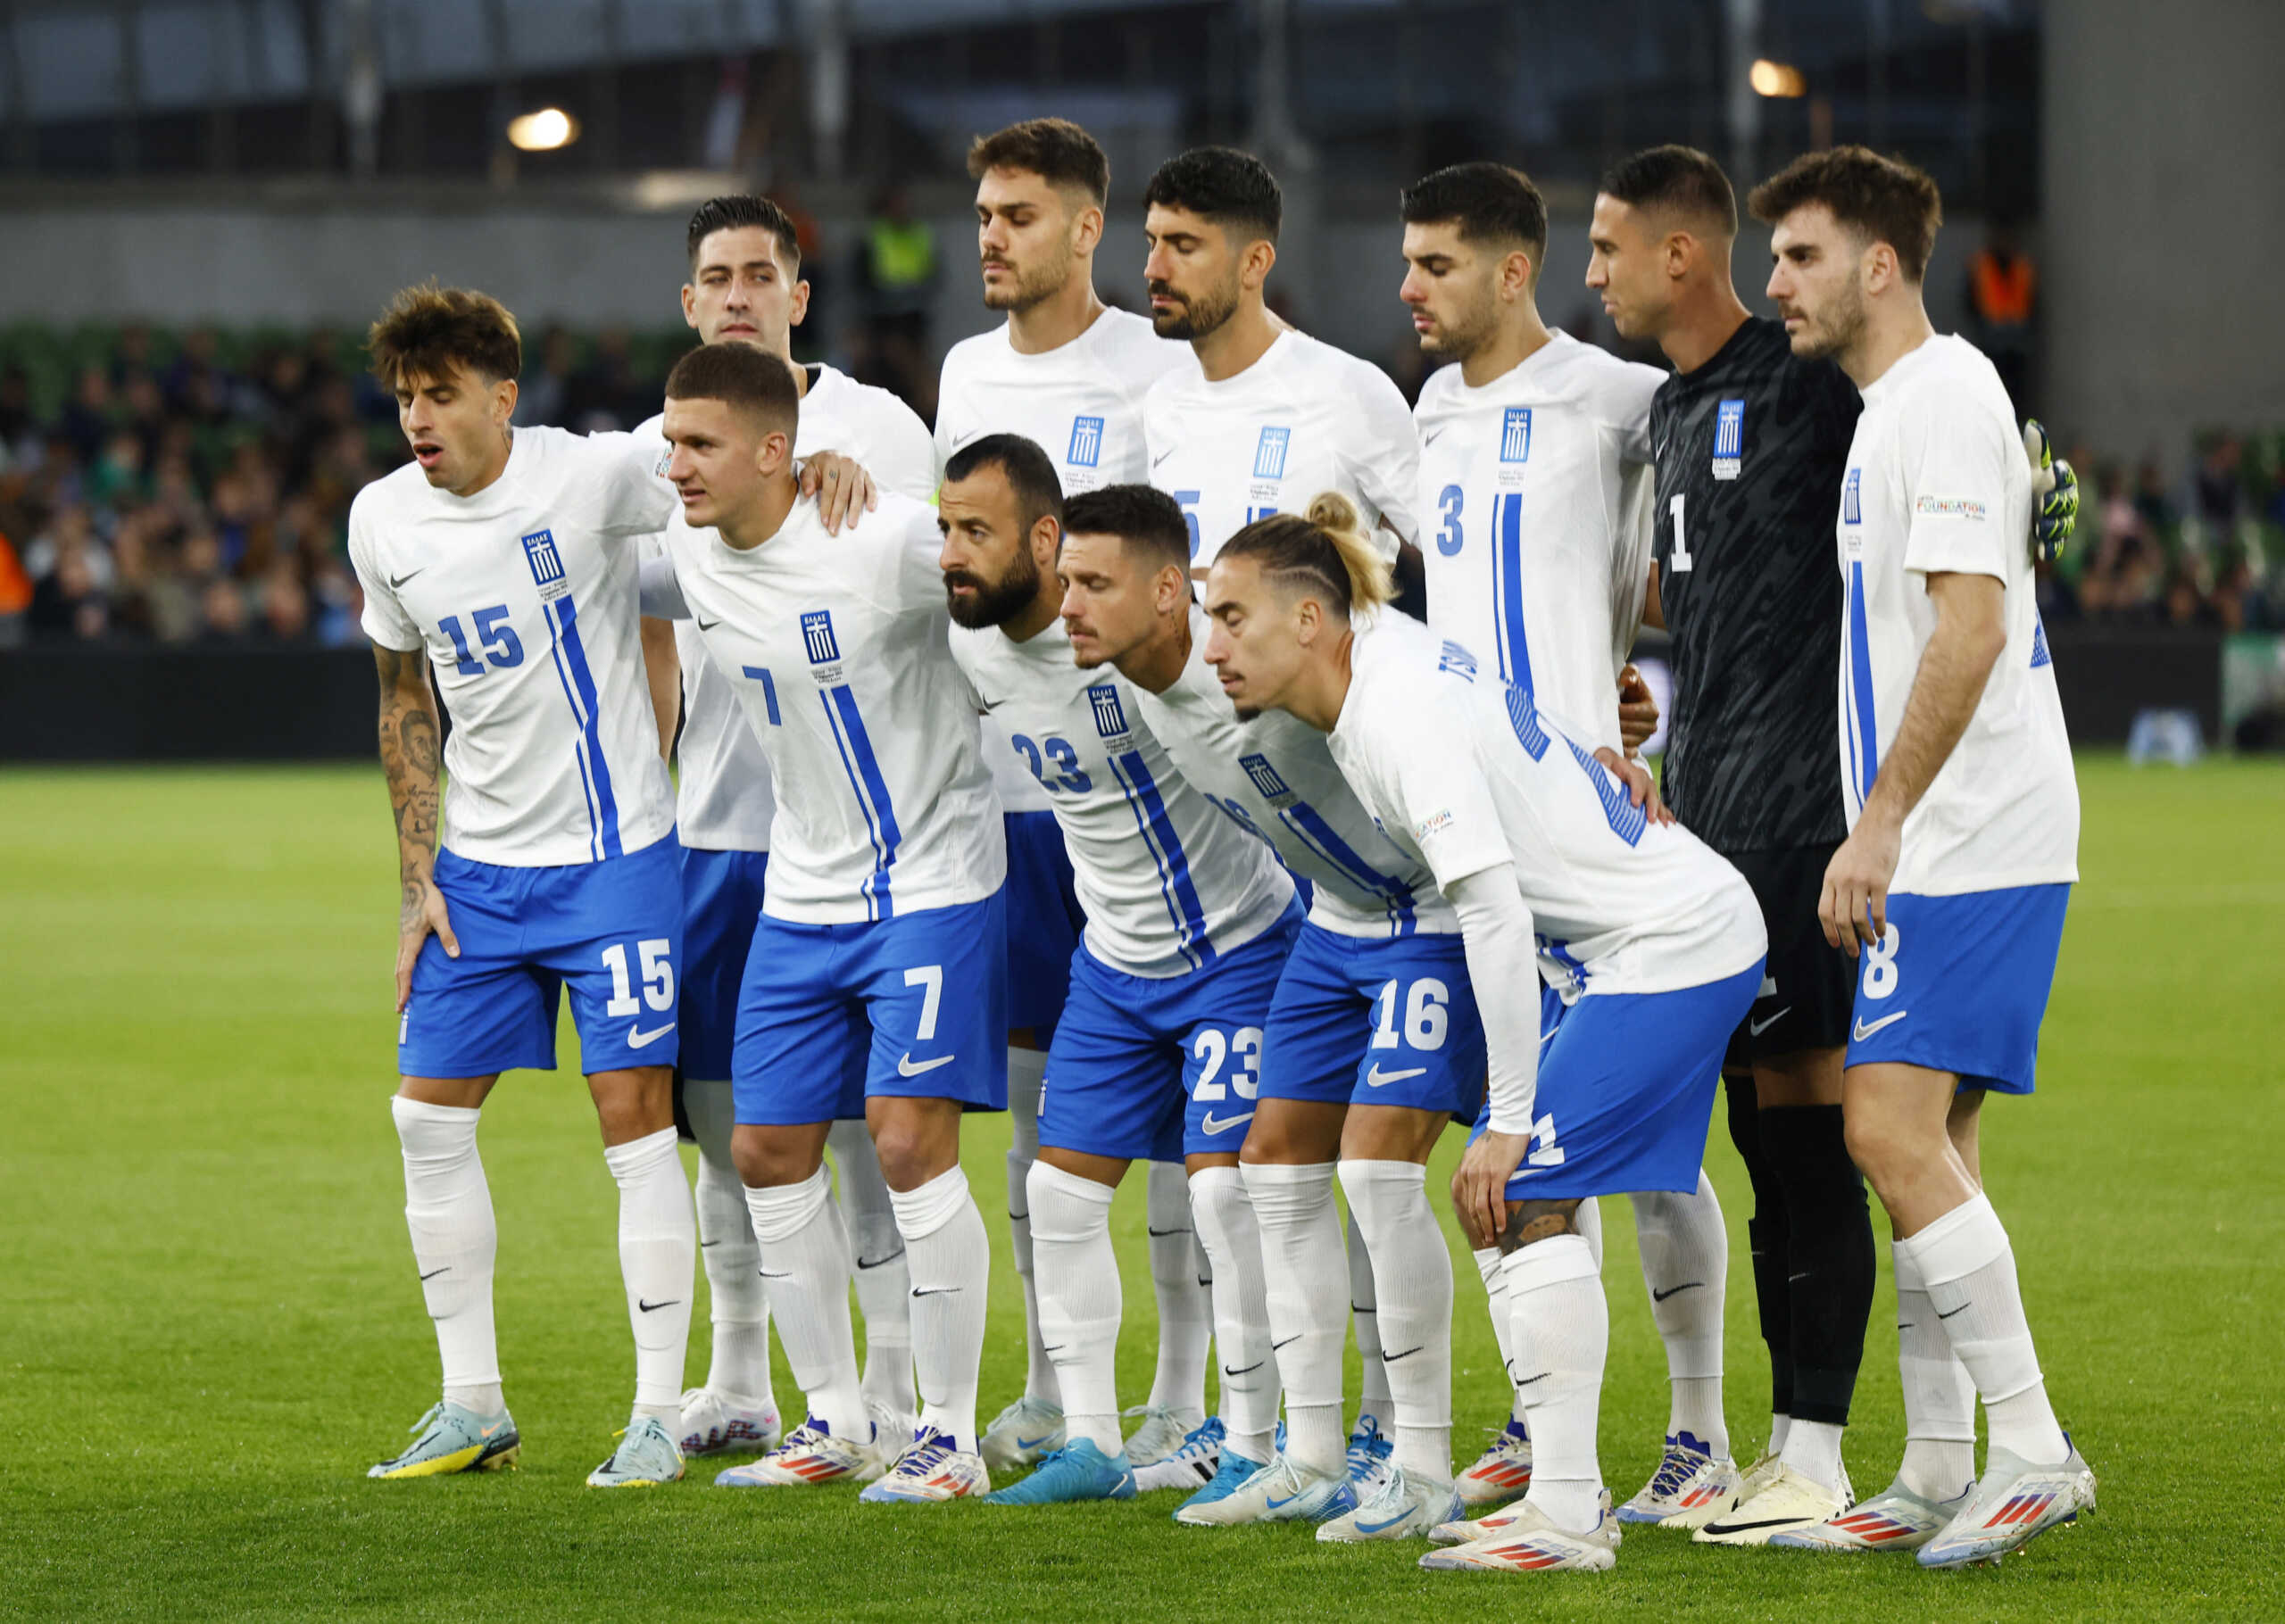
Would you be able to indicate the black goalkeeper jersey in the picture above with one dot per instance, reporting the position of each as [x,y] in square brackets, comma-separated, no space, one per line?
[1751,450]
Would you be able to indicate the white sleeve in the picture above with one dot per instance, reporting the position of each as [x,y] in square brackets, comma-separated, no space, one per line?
[1630,560]
[1386,453]
[905,457]
[1956,468]
[384,620]
[661,590]
[941,446]
[1503,964]
[634,498]
[1441,792]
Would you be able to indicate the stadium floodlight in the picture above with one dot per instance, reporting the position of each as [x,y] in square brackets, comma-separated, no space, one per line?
[1776,78]
[542,131]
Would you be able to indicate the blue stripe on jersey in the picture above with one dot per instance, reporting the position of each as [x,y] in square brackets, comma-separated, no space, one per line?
[1626,820]
[570,659]
[1863,729]
[1560,952]
[1507,590]
[1523,717]
[872,791]
[768,691]
[1158,831]
[1395,895]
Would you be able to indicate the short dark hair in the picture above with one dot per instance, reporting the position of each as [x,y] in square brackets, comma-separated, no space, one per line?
[1678,180]
[1142,517]
[1488,201]
[736,209]
[1056,150]
[1885,198]
[1030,472]
[427,332]
[1223,185]
[746,378]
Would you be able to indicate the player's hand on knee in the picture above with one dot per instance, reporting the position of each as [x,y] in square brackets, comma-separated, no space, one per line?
[842,487]
[1638,709]
[423,915]
[1480,1186]
[1854,908]
[1641,789]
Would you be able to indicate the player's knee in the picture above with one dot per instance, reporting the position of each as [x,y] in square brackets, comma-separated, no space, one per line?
[911,1154]
[1287,1132]
[764,1160]
[1887,1148]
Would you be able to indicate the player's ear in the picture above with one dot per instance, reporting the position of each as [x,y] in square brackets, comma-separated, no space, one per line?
[503,400]
[1516,276]
[1260,256]
[798,305]
[1086,230]
[689,305]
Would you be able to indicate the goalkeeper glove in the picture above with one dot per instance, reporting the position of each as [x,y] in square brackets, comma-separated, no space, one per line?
[2055,495]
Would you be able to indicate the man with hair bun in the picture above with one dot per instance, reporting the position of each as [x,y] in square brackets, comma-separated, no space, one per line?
[1555,871]
[504,561]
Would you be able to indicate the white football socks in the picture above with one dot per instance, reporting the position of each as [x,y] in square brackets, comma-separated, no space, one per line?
[805,1269]
[658,1243]
[1560,1328]
[884,1277]
[1186,1312]
[1939,1395]
[1968,1270]
[1232,1236]
[1307,1280]
[1588,1221]
[1079,1299]
[1495,1293]
[739,1363]
[1686,1269]
[448,1210]
[1027,1075]
[950,1260]
[1375,1409]
[1412,1275]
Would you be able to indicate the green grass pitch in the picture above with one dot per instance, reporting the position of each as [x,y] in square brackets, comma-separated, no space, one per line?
[208,1323]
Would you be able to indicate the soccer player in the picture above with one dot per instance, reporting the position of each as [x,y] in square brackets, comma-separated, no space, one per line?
[1263,416]
[1535,478]
[1962,811]
[1544,854]
[1188,923]
[1372,1044]
[506,559]
[746,288]
[1260,418]
[1752,442]
[876,982]
[1067,373]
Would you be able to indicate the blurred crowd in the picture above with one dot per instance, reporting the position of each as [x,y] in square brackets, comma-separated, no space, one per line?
[168,488]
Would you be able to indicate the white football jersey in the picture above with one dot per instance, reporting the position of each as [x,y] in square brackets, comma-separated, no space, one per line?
[723,801]
[1459,769]
[1276,776]
[524,597]
[1937,484]
[1536,497]
[836,647]
[1167,882]
[1082,403]
[1304,419]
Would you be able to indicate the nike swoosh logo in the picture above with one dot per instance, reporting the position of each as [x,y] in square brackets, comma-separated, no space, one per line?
[1942,1315]
[932,1290]
[1296,1336]
[433,1273]
[1162,1234]
[881,1261]
[1392,1358]
[767,1275]
[1375,1528]
[1659,1297]
[1803,1275]
[654,1307]
[965,438]
[1161,457]
[638,1038]
[1249,1371]
[1379,1078]
[1034,1443]
[1276,1505]
[704,1244]
[1863,1031]
[1527,1381]
[906,1066]
[1546,1036]
[1424,444]
[398,581]
[1211,1124]
[1756,1028]
[705,625]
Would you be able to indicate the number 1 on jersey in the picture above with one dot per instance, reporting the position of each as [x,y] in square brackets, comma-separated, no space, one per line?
[1678,560]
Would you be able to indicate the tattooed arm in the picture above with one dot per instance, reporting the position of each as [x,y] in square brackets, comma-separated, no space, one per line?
[410,742]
